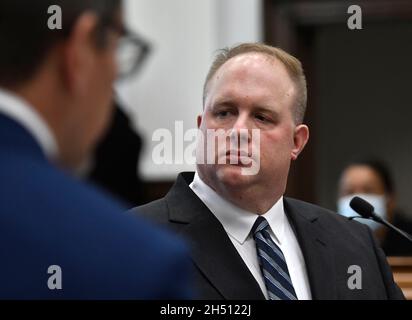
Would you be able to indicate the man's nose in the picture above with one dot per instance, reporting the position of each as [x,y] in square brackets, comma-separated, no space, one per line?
[242,122]
[242,128]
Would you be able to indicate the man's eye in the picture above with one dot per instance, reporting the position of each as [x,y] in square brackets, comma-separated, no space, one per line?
[261,118]
[222,114]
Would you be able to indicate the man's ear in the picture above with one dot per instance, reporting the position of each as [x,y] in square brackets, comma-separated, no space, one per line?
[79,53]
[300,139]
[199,121]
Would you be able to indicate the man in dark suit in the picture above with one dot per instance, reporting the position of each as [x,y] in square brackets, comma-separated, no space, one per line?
[61,239]
[248,241]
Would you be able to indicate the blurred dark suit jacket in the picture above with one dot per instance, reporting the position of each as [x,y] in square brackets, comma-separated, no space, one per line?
[115,161]
[47,218]
[329,243]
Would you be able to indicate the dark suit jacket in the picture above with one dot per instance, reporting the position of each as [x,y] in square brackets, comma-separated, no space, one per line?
[329,242]
[47,218]
[116,158]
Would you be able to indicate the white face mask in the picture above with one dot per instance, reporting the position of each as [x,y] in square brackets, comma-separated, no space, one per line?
[377,201]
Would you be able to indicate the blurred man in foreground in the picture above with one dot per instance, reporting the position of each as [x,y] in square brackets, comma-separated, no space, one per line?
[60,238]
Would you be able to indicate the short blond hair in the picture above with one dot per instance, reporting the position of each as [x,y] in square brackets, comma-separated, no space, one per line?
[292,65]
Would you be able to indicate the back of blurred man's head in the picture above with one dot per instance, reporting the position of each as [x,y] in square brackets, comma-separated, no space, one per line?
[65,74]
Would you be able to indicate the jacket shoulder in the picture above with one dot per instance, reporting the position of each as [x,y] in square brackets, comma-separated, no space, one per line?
[156,211]
[81,229]
[330,221]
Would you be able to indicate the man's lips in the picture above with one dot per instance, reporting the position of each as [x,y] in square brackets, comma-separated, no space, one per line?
[238,153]
[238,158]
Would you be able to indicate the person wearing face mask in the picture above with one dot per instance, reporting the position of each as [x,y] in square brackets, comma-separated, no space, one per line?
[372,181]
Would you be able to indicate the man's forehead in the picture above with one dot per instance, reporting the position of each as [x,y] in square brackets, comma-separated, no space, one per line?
[253,68]
[250,61]
[250,67]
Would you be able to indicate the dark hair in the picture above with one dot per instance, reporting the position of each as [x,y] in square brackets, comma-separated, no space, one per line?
[380,168]
[26,38]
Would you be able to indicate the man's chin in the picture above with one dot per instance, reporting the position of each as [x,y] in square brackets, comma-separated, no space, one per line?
[233,175]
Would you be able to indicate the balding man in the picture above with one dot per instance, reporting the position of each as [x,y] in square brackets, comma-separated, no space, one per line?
[248,240]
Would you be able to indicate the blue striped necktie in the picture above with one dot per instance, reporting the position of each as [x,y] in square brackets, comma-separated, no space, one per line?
[272,263]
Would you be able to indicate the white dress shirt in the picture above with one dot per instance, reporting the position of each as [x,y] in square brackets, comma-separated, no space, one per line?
[20,111]
[238,224]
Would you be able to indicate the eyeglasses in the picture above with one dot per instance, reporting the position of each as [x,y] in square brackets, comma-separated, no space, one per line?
[132,51]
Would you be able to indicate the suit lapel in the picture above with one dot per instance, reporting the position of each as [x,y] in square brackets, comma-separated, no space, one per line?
[313,241]
[219,261]
[212,250]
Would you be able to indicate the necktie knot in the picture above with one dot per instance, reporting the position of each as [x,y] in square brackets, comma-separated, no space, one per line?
[259,225]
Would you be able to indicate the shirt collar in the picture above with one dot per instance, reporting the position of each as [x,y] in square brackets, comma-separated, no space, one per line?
[20,111]
[238,222]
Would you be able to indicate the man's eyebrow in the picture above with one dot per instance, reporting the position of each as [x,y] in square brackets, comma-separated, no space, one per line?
[224,103]
[258,108]
[265,109]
